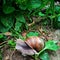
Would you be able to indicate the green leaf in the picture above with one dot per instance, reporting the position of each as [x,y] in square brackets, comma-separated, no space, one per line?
[1,36]
[44,56]
[20,18]
[34,4]
[6,23]
[58,22]
[41,14]
[22,4]
[52,16]
[8,9]
[51,45]
[11,43]
[58,18]
[26,26]
[21,37]
[57,9]
[32,34]
[18,26]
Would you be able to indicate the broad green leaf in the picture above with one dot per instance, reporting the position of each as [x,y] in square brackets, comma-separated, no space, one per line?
[58,22]
[22,4]
[3,28]
[34,4]
[6,23]
[8,9]
[44,56]
[58,18]
[20,18]
[51,45]
[18,26]
[57,9]
[32,34]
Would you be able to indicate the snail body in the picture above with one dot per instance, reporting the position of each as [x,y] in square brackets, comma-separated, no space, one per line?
[35,43]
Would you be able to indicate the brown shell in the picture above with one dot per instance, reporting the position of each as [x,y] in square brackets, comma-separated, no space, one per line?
[35,42]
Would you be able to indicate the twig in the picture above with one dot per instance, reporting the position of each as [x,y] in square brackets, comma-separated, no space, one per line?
[31,23]
[44,35]
[3,43]
[12,54]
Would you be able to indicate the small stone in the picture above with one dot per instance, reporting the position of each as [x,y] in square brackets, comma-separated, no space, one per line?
[7,57]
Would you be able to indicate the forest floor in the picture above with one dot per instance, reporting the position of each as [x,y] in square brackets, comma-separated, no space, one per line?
[11,54]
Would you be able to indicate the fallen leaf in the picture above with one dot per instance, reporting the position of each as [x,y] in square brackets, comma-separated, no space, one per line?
[7,33]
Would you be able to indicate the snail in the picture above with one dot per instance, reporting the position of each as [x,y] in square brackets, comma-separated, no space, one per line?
[30,46]
[35,42]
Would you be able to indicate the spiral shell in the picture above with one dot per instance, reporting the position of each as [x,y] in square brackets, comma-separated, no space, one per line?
[35,43]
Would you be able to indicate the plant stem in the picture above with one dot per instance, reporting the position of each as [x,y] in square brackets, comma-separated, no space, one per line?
[36,57]
[41,51]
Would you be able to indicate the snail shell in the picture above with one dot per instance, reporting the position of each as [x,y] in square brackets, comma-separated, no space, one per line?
[35,43]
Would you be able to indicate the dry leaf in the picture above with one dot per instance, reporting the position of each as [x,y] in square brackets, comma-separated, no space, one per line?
[24,48]
[7,33]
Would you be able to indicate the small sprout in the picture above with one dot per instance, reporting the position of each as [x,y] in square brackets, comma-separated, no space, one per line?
[1,36]
[11,43]
[41,14]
